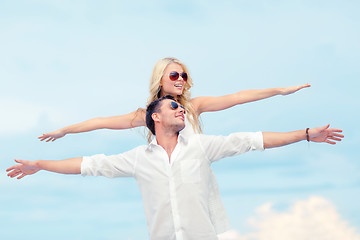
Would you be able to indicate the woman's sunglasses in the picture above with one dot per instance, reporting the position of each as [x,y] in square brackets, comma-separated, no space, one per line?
[175,105]
[175,76]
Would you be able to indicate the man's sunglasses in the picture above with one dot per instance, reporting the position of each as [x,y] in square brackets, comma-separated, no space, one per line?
[175,105]
[175,76]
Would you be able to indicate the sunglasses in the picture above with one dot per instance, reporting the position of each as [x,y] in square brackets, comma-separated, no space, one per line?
[175,76]
[175,105]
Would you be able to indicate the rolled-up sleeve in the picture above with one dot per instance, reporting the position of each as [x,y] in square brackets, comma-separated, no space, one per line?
[121,165]
[217,147]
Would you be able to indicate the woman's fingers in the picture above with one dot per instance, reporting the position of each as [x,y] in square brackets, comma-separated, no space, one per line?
[14,173]
[23,175]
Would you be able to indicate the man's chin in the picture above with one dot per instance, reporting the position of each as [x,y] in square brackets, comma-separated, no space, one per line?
[180,127]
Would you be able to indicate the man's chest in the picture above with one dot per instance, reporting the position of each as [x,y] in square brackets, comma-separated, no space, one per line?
[185,165]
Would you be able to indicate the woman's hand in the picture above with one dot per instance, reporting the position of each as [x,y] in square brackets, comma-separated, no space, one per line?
[52,136]
[290,90]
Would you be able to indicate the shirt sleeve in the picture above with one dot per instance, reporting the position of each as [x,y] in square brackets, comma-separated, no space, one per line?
[218,147]
[121,165]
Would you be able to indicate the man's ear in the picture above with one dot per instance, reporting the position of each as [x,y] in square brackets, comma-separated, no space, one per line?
[155,117]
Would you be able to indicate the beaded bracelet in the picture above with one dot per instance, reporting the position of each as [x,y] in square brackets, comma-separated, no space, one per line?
[307,135]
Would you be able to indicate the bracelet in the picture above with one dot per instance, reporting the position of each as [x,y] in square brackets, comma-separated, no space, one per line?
[307,135]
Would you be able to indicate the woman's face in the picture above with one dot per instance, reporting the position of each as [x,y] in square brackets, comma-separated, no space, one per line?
[170,87]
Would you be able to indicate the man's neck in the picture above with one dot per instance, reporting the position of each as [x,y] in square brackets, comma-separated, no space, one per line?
[168,141]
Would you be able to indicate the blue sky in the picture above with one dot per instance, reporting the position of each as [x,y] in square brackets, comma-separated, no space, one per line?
[62,62]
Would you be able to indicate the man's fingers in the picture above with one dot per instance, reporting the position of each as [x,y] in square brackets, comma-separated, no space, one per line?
[330,142]
[326,127]
[334,130]
[10,168]
[13,167]
[335,134]
[19,161]
[335,138]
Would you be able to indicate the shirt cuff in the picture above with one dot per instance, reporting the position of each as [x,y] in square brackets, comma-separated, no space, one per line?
[259,141]
[85,166]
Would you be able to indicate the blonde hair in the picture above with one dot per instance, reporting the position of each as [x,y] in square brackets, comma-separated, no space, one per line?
[183,99]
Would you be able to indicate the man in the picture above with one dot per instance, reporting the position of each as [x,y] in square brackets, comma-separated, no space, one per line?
[174,172]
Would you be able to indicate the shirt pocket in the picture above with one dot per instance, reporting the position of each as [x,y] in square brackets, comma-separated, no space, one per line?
[190,171]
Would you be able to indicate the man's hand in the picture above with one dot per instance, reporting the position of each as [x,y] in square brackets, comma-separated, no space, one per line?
[325,134]
[22,169]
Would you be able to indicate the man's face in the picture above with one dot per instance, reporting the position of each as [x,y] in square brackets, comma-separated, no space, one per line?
[171,115]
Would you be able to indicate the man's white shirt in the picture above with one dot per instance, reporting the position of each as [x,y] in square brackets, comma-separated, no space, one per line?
[177,193]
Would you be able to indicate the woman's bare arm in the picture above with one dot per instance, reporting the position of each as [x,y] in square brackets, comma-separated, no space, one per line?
[210,104]
[131,120]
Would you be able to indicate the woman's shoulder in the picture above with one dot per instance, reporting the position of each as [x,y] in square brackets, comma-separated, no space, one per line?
[195,102]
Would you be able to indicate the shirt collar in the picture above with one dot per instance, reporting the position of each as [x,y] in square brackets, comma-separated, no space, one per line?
[181,139]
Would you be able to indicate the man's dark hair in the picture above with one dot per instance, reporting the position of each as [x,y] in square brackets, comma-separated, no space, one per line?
[154,107]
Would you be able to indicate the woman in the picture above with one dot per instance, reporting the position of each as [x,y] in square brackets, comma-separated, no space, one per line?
[171,77]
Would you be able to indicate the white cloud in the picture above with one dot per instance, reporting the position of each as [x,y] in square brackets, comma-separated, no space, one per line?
[229,235]
[315,218]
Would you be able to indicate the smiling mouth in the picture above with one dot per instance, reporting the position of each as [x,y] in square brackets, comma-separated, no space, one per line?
[179,85]
[181,116]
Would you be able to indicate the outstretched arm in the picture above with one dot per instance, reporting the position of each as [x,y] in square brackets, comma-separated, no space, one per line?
[131,120]
[318,134]
[67,166]
[210,104]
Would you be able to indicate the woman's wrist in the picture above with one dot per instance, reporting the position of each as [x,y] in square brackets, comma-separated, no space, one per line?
[65,130]
[38,164]
[281,91]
